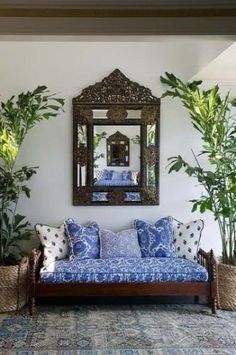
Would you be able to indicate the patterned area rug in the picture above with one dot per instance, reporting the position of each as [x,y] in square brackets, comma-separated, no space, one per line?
[119,330]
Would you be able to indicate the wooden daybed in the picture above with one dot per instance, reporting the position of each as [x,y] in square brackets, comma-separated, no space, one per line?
[207,289]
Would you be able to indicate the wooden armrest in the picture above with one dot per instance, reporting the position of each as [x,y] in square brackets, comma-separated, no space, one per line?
[202,253]
[208,260]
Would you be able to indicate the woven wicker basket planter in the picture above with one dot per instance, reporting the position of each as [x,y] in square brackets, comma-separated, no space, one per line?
[14,286]
[227,286]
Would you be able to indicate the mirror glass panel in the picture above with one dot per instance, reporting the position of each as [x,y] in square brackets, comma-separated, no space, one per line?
[151,134]
[100,114]
[133,114]
[116,155]
[81,152]
[151,178]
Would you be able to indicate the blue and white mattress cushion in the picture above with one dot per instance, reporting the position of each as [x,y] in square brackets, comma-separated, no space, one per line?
[123,270]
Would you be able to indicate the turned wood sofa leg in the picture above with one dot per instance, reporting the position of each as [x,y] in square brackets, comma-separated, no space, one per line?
[213,305]
[213,282]
[209,262]
[32,307]
[33,276]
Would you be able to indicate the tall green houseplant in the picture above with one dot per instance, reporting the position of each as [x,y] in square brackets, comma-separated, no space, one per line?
[18,115]
[211,117]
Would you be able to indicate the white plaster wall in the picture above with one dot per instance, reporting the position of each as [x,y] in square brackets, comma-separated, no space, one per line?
[67,67]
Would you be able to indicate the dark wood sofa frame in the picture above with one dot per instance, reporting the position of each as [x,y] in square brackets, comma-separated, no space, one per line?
[208,289]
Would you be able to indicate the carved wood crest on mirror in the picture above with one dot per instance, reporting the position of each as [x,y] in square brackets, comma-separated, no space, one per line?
[116,144]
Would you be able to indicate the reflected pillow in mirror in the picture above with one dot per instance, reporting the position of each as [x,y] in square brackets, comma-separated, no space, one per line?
[119,245]
[99,174]
[108,174]
[126,175]
[116,175]
[103,174]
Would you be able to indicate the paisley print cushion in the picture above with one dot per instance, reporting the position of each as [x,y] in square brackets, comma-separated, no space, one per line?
[122,244]
[156,240]
[83,240]
[123,270]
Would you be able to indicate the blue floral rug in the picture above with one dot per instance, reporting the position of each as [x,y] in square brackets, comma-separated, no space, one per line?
[119,330]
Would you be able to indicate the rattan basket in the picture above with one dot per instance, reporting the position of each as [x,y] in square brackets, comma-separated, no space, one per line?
[227,286]
[14,286]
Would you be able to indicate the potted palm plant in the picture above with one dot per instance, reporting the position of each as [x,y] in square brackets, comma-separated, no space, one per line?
[211,117]
[17,116]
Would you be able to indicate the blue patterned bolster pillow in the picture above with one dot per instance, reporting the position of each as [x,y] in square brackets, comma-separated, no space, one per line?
[156,240]
[83,240]
[123,244]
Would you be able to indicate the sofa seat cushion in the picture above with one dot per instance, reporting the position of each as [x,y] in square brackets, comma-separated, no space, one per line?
[123,270]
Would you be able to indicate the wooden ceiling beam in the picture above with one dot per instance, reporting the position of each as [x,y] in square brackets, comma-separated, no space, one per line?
[116,12]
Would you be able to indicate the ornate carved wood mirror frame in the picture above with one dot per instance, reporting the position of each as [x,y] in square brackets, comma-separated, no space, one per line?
[123,103]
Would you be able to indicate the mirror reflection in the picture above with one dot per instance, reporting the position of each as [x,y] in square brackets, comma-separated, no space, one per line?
[81,152]
[103,114]
[118,150]
[129,197]
[116,157]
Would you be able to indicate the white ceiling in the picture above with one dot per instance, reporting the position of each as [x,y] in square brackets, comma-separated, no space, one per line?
[206,49]
[222,69]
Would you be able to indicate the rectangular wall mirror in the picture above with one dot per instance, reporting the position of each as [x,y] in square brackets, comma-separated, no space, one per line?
[116,144]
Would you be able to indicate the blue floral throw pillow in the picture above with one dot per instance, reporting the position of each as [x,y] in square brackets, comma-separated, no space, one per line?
[83,240]
[119,245]
[156,240]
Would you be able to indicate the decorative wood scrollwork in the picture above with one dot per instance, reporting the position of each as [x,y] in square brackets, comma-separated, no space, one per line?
[117,114]
[149,195]
[83,115]
[116,197]
[84,195]
[116,88]
[150,114]
[80,155]
[117,137]
[151,155]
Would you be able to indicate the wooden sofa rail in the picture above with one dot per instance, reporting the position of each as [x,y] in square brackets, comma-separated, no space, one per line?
[208,289]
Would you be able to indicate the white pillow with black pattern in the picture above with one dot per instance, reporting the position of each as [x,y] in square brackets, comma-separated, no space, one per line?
[54,241]
[99,174]
[187,238]
[134,176]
